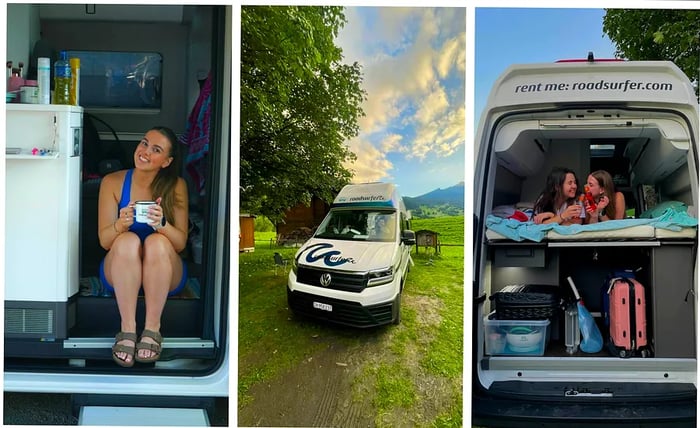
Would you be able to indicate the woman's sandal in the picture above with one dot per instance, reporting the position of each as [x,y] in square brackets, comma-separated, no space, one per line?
[153,347]
[130,351]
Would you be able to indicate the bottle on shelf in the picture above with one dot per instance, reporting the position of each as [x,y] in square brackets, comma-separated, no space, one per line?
[43,78]
[62,80]
[75,81]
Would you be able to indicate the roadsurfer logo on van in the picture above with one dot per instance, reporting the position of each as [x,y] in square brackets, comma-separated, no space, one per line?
[330,258]
[602,85]
[363,198]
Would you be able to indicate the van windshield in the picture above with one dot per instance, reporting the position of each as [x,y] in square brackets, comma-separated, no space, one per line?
[364,225]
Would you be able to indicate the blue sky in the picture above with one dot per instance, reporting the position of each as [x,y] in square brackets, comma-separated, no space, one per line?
[514,35]
[413,62]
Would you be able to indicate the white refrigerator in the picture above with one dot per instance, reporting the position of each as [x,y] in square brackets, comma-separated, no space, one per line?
[42,219]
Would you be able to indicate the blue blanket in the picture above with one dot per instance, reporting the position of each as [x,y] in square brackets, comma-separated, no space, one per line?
[520,231]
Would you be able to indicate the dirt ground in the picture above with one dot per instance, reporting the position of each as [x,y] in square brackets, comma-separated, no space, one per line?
[332,389]
[315,393]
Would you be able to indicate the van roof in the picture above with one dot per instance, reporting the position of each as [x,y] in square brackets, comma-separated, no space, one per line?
[604,81]
[369,195]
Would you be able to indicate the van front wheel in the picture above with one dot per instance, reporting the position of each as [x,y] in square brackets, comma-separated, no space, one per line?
[397,310]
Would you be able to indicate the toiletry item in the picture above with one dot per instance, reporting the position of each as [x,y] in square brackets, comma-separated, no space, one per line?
[14,83]
[30,92]
[43,77]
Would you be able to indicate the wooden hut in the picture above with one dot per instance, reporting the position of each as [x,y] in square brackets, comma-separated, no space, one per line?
[246,239]
[302,216]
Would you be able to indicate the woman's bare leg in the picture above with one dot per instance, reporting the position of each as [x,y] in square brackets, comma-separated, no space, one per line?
[123,270]
[162,272]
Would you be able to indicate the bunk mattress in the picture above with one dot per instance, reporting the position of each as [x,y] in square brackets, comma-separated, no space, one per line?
[671,226]
[633,232]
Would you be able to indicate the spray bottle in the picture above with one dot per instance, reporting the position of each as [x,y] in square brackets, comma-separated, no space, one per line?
[43,76]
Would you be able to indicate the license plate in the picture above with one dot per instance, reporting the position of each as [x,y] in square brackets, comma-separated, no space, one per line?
[323,306]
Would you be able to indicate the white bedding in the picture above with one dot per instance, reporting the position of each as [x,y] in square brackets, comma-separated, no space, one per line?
[686,232]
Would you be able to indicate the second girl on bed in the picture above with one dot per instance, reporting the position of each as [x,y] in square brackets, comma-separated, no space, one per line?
[610,204]
[558,202]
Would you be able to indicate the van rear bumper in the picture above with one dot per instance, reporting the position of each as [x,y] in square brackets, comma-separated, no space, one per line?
[490,411]
[342,312]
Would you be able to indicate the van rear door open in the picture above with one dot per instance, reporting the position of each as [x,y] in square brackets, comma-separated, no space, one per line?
[638,121]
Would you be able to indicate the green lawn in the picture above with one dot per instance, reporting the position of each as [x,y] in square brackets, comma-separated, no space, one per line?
[418,353]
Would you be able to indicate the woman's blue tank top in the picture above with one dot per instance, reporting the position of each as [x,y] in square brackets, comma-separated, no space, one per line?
[141,229]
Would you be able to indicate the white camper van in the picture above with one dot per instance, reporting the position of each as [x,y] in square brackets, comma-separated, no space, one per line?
[353,269]
[639,122]
[140,66]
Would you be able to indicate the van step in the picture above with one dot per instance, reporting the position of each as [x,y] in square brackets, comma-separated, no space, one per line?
[168,343]
[143,410]
[140,416]
[97,349]
[99,316]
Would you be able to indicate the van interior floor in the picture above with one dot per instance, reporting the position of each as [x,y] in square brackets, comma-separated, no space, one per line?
[558,349]
[97,313]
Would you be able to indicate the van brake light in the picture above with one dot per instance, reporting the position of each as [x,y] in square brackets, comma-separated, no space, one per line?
[590,58]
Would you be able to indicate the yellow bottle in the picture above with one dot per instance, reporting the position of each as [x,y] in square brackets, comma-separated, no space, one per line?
[62,80]
[75,81]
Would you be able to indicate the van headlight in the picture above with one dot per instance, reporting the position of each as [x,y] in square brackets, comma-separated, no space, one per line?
[380,277]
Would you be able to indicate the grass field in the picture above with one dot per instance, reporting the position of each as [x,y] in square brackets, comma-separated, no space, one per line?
[415,379]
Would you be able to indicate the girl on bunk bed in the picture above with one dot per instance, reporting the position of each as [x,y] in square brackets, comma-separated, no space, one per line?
[600,184]
[558,202]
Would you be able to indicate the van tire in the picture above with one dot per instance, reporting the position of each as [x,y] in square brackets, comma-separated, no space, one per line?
[397,310]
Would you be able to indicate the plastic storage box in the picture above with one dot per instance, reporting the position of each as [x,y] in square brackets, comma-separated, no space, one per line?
[516,337]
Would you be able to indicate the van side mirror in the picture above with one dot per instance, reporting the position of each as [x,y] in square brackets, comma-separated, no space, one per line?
[408,237]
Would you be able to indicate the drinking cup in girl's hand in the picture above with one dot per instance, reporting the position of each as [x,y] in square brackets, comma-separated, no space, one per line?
[141,208]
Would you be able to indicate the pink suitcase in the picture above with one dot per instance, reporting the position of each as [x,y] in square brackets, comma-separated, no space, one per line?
[628,318]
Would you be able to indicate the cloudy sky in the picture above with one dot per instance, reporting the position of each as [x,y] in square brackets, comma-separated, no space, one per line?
[413,63]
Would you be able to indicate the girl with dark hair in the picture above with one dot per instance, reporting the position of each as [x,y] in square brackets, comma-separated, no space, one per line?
[144,254]
[610,204]
[557,203]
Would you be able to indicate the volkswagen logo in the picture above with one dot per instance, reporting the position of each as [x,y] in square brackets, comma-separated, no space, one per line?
[326,279]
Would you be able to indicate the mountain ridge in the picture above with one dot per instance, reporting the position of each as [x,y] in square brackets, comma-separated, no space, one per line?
[449,199]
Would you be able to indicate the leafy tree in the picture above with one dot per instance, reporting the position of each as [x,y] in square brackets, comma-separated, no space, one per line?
[299,104]
[263,224]
[657,34]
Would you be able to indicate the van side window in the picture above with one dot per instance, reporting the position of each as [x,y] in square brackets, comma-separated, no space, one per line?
[120,79]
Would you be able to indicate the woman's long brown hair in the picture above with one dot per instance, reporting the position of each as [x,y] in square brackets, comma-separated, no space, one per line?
[163,185]
[553,191]
[605,181]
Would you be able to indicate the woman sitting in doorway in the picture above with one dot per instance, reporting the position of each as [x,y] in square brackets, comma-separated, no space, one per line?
[144,254]
[600,184]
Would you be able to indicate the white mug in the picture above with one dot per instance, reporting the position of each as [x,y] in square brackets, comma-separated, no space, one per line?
[141,209]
